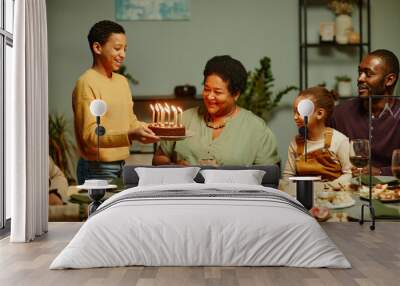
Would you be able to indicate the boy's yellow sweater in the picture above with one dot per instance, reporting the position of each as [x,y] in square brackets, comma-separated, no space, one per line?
[118,119]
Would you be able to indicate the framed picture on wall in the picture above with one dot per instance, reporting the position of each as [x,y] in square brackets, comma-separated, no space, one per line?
[142,10]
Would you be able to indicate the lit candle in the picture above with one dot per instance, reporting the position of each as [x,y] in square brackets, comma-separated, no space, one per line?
[180,113]
[158,113]
[162,115]
[153,113]
[173,108]
[168,111]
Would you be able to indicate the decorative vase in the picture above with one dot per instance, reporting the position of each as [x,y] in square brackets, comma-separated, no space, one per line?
[354,37]
[343,26]
[344,88]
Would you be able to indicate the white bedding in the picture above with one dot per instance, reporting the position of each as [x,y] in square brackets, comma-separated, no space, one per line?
[183,231]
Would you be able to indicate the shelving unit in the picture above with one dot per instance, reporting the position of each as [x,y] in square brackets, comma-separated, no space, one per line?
[304,46]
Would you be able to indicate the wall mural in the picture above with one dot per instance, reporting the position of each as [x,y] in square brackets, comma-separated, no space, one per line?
[138,10]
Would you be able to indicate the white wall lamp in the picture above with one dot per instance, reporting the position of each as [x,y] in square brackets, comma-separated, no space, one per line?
[98,108]
[304,185]
[305,109]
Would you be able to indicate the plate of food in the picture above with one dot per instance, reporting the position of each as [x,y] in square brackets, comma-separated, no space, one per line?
[335,199]
[381,192]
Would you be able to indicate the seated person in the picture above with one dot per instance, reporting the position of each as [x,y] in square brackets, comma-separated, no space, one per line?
[224,133]
[58,185]
[327,148]
[377,75]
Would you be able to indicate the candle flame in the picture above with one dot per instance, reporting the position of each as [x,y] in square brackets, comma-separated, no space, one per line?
[162,114]
[167,107]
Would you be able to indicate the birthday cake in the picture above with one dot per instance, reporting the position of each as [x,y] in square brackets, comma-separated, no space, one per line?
[167,130]
[163,123]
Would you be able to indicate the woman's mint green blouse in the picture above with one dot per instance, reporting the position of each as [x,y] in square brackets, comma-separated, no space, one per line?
[245,140]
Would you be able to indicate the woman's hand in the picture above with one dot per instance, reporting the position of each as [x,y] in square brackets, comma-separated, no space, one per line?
[160,158]
[182,162]
[143,135]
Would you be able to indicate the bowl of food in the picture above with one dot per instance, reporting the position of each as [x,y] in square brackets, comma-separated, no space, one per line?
[327,195]
[334,199]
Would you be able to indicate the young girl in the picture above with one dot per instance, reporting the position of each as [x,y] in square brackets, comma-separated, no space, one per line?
[327,148]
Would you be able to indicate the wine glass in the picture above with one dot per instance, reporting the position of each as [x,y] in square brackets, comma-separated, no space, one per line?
[396,163]
[359,155]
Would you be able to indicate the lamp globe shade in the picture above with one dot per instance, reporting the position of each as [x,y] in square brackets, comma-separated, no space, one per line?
[98,107]
[305,107]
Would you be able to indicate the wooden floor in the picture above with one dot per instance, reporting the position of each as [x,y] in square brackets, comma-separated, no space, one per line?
[375,256]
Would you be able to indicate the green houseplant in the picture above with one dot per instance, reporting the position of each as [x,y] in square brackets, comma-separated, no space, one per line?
[122,70]
[61,147]
[258,96]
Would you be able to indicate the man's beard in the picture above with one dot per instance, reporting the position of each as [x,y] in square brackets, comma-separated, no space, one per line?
[378,90]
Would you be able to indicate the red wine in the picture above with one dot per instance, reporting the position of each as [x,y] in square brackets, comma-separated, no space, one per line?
[396,172]
[359,161]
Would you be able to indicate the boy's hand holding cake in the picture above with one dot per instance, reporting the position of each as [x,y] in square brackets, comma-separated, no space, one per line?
[143,134]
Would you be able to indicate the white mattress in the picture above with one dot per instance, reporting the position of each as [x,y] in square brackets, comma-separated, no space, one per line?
[189,231]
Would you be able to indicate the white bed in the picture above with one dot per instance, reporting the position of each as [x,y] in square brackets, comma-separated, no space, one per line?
[224,225]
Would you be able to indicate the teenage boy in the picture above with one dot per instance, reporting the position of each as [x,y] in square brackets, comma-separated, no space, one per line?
[108,44]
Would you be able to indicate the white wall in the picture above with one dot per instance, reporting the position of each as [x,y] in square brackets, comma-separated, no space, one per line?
[162,54]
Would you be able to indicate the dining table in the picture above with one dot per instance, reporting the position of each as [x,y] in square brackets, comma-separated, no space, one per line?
[388,211]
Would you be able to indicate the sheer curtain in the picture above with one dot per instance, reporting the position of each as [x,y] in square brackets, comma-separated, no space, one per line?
[27,124]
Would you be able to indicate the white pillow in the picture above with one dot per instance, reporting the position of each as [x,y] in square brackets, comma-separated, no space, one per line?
[248,177]
[166,176]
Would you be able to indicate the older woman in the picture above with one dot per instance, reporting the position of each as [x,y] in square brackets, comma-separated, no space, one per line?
[225,134]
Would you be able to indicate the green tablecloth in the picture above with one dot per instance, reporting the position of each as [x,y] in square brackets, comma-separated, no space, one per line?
[382,210]
[375,180]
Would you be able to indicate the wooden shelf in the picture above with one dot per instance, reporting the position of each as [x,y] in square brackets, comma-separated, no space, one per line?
[332,44]
[164,98]
[363,9]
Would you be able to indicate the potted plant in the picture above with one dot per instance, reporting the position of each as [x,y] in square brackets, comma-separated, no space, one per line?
[61,147]
[258,96]
[343,85]
[130,78]
[344,25]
